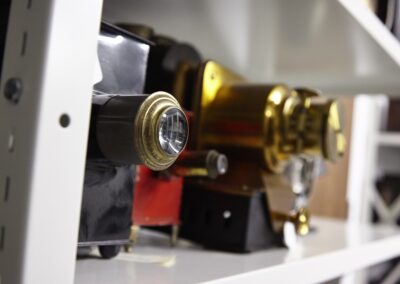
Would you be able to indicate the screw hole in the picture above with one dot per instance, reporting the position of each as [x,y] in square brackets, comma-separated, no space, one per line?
[2,236]
[11,142]
[7,189]
[65,120]
[24,41]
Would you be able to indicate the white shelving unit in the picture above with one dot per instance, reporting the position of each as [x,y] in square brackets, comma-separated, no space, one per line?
[332,250]
[335,45]
[391,139]
[51,50]
[374,152]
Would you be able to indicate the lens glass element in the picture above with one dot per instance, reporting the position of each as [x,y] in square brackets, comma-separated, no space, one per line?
[173,131]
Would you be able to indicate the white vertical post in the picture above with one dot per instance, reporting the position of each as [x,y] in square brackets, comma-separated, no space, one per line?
[367,124]
[368,117]
[51,49]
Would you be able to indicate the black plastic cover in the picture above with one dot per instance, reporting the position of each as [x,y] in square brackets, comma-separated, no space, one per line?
[108,188]
[123,61]
[227,221]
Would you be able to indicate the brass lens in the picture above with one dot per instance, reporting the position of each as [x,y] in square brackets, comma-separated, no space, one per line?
[161,131]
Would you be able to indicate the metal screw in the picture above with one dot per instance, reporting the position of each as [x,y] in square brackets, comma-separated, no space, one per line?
[13,90]
[65,120]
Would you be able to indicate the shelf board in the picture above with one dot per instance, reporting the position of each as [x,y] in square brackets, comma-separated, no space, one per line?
[391,139]
[333,249]
[336,46]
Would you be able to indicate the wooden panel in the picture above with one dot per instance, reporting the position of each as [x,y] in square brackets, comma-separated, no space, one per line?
[329,193]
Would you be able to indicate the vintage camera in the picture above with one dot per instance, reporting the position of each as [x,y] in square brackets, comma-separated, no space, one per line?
[274,137]
[157,195]
[127,128]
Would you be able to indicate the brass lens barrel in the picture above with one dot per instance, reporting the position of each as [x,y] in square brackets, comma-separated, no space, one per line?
[162,130]
[270,123]
[240,119]
[141,129]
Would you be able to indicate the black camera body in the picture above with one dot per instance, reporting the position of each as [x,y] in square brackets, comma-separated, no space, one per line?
[108,187]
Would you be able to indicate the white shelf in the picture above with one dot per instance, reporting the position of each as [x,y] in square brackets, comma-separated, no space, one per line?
[337,46]
[389,139]
[334,249]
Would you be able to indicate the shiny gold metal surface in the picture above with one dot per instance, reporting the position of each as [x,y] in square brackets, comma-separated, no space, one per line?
[302,221]
[270,123]
[299,218]
[147,123]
